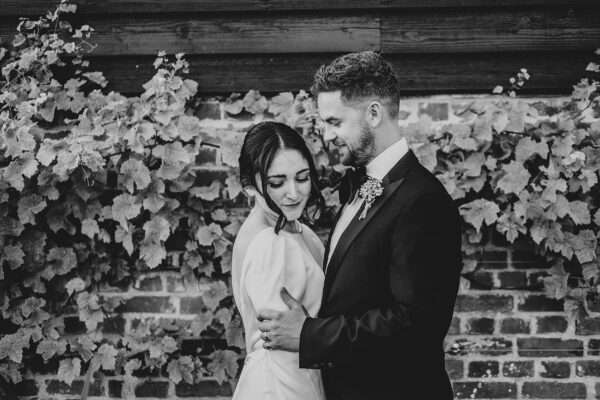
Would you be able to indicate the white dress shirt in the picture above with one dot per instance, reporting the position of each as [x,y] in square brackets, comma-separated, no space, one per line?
[376,168]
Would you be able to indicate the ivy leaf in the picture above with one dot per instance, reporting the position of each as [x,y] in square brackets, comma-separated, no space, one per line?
[462,136]
[75,285]
[207,234]
[597,218]
[254,102]
[60,261]
[234,188]
[69,369]
[223,365]
[201,322]
[90,228]
[552,187]
[48,348]
[515,179]
[153,203]
[126,238]
[579,212]
[29,206]
[555,286]
[478,211]
[135,172]
[281,103]
[590,271]
[152,253]
[208,193]
[12,346]
[107,356]
[219,215]
[48,151]
[158,228]
[213,293]
[527,147]
[188,127]
[125,207]
[13,255]
[584,245]
[181,369]
[89,310]
[562,147]
[473,164]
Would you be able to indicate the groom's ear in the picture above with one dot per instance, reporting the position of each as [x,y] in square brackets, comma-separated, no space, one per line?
[374,113]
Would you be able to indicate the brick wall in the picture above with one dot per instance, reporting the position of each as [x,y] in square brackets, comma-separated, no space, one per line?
[507,340]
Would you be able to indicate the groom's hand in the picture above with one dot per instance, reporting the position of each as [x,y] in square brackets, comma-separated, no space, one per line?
[280,330]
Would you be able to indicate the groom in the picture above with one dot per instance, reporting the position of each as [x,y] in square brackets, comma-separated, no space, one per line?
[392,261]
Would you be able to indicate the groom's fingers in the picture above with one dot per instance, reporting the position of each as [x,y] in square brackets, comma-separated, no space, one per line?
[267,315]
[290,301]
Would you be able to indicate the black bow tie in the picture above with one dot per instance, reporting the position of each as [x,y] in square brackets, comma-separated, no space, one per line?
[351,182]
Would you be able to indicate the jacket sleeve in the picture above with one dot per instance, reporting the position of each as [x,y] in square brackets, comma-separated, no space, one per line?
[423,271]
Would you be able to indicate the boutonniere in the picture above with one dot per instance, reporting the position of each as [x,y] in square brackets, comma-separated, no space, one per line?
[369,191]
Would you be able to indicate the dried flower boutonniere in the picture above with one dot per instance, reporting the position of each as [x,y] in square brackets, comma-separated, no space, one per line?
[369,191]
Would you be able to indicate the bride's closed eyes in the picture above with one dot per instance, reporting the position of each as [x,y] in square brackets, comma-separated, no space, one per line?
[278,181]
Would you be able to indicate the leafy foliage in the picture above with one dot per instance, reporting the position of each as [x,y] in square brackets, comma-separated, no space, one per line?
[97,188]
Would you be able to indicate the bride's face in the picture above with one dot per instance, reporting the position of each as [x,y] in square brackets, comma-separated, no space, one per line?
[288,182]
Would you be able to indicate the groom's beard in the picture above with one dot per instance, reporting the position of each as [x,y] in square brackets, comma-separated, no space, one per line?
[363,153]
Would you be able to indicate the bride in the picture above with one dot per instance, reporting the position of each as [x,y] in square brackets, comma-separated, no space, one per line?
[274,250]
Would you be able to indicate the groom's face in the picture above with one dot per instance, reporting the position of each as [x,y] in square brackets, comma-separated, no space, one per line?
[346,128]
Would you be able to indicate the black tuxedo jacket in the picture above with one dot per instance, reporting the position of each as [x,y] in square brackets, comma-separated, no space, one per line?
[389,293]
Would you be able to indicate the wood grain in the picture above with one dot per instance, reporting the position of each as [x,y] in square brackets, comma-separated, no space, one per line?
[38,7]
[419,74]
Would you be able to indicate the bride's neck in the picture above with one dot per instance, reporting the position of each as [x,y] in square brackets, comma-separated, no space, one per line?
[270,218]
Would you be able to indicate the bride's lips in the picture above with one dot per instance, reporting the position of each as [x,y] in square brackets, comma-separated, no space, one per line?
[291,205]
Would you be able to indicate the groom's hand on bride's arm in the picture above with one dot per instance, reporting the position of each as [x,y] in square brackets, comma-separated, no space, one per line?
[280,330]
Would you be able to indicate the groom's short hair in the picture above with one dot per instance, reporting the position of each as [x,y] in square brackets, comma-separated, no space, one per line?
[359,76]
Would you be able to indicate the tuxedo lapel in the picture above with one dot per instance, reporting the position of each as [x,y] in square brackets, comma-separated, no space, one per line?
[392,181]
[355,227]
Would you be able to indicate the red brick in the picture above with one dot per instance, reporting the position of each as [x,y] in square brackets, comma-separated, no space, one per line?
[485,346]
[208,110]
[551,324]
[589,326]
[526,259]
[484,303]
[478,326]
[437,111]
[454,328]
[549,347]
[485,390]
[207,155]
[114,325]
[514,325]
[204,177]
[58,387]
[152,389]
[480,280]
[149,284]
[192,305]
[588,368]
[594,347]
[115,388]
[207,388]
[517,369]
[492,259]
[483,369]
[455,368]
[554,390]
[148,304]
[540,303]
[512,280]
[27,387]
[556,370]
[535,281]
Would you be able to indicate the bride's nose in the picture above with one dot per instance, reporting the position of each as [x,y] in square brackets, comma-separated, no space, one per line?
[292,190]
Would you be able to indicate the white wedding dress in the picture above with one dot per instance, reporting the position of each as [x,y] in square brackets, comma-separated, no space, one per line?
[264,262]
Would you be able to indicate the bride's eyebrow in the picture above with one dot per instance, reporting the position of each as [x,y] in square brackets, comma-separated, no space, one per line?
[283,175]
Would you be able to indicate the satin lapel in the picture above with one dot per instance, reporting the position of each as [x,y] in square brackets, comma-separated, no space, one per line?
[328,244]
[355,227]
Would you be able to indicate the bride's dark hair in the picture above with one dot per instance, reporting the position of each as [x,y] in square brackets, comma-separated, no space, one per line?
[261,144]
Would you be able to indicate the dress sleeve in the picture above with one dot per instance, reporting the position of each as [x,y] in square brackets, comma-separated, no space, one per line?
[273,261]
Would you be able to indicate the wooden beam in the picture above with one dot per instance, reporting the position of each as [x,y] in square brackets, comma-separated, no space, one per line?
[540,29]
[415,31]
[38,7]
[551,73]
[148,35]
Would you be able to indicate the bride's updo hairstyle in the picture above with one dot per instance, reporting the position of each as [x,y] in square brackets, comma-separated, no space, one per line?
[261,144]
